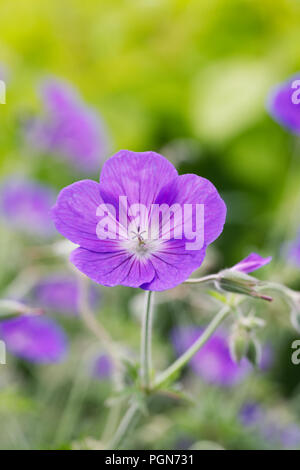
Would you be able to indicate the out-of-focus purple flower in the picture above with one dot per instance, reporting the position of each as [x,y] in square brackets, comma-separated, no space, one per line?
[151,261]
[68,128]
[61,293]
[251,263]
[251,413]
[284,104]
[36,339]
[26,205]
[292,251]
[103,367]
[212,362]
[268,424]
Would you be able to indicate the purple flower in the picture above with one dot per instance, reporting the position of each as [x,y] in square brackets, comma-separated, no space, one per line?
[212,362]
[268,424]
[103,367]
[26,205]
[292,250]
[68,128]
[284,104]
[60,293]
[36,339]
[132,258]
[251,263]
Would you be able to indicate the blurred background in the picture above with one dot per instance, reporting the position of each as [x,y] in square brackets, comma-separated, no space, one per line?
[190,80]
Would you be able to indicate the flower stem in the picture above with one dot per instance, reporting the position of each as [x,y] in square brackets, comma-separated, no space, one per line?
[200,280]
[184,359]
[146,361]
[124,426]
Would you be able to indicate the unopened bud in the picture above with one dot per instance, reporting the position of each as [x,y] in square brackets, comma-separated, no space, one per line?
[254,352]
[238,344]
[13,308]
[238,282]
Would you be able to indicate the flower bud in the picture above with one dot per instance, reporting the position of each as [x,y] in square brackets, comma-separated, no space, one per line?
[238,282]
[254,351]
[238,344]
[13,308]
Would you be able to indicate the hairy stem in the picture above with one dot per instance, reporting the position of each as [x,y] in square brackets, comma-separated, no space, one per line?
[146,360]
[200,280]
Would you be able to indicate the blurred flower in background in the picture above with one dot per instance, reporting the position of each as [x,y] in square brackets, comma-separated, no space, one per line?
[34,338]
[68,128]
[103,367]
[25,205]
[60,292]
[292,251]
[213,362]
[270,425]
[284,104]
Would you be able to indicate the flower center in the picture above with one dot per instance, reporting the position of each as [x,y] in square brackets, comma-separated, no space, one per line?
[138,244]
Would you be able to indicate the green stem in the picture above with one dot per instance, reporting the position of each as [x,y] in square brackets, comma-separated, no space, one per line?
[146,342]
[124,427]
[184,359]
[200,280]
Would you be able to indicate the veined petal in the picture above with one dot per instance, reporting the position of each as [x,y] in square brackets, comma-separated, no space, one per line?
[173,264]
[193,189]
[138,175]
[75,216]
[114,268]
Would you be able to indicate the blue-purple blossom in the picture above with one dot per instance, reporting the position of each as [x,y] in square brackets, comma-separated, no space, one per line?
[213,361]
[251,263]
[25,205]
[269,426]
[61,293]
[292,251]
[34,338]
[103,367]
[68,127]
[132,258]
[284,104]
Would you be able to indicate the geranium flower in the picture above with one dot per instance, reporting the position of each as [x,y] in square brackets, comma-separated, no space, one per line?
[134,258]
[26,204]
[60,293]
[36,339]
[284,104]
[68,128]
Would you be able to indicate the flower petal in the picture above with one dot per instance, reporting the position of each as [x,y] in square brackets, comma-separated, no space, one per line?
[75,216]
[193,189]
[137,175]
[114,268]
[251,263]
[173,264]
